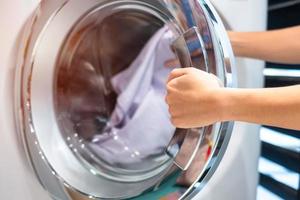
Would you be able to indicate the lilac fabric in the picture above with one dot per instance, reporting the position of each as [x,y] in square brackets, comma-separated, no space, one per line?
[140,125]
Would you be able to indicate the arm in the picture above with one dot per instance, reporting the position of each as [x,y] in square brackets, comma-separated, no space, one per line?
[276,46]
[274,106]
[195,99]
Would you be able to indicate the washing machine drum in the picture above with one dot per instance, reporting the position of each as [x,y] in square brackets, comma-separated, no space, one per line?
[91,85]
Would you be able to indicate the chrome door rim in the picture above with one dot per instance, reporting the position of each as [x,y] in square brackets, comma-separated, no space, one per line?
[33,109]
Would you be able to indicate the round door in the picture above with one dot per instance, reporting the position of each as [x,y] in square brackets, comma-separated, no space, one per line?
[90,92]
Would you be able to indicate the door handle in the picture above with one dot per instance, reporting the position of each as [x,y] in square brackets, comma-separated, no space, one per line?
[190,51]
[184,146]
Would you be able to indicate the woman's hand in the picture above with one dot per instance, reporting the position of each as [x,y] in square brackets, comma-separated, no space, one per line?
[194,98]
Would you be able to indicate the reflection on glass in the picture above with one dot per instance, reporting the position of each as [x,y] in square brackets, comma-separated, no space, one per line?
[139,127]
[110,94]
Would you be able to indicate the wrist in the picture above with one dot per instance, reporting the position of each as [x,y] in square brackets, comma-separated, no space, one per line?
[220,99]
[238,43]
[229,104]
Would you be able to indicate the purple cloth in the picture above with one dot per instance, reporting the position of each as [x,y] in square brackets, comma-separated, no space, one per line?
[139,126]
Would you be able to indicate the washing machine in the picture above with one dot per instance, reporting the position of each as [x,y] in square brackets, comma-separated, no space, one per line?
[83,113]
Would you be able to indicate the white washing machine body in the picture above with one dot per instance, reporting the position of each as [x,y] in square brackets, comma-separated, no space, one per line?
[17,180]
[238,168]
[240,162]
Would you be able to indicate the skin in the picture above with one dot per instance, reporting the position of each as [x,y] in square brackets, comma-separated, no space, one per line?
[196,99]
[281,46]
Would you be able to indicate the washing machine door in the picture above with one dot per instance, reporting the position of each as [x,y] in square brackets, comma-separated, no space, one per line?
[90,93]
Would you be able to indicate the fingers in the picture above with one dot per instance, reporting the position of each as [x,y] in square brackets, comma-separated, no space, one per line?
[178,73]
[175,111]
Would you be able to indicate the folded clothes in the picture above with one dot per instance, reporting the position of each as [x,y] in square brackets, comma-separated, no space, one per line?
[139,128]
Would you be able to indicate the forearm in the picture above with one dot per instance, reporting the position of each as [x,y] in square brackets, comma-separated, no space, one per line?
[275,106]
[276,46]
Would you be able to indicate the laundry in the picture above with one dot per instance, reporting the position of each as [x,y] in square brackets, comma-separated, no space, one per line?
[139,126]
